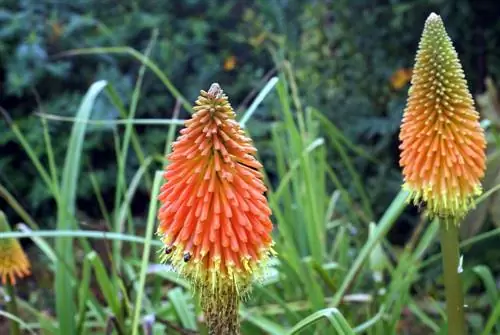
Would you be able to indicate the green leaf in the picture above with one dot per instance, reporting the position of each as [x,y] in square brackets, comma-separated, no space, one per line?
[333,315]
[146,251]
[65,305]
[262,323]
[258,100]
[179,301]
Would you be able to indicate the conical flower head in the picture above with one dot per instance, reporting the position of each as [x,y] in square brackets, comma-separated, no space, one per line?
[442,143]
[214,219]
[13,260]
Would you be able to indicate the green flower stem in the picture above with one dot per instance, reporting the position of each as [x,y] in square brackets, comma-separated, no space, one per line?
[12,309]
[452,280]
[220,306]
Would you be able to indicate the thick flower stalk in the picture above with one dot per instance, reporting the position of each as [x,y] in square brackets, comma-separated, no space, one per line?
[214,218]
[13,261]
[442,143]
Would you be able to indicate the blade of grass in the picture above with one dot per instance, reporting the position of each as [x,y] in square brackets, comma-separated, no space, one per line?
[314,289]
[137,55]
[40,242]
[172,276]
[16,206]
[83,292]
[146,251]
[31,153]
[332,132]
[489,282]
[65,305]
[100,200]
[93,234]
[46,322]
[107,288]
[50,153]
[118,103]
[258,100]
[16,319]
[286,178]
[335,131]
[44,246]
[178,299]
[291,315]
[492,320]
[335,318]
[107,123]
[121,187]
[370,323]
[423,317]
[383,226]
[171,134]
[268,326]
[125,206]
[345,195]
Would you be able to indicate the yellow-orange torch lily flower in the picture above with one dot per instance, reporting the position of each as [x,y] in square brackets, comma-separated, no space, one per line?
[442,143]
[14,263]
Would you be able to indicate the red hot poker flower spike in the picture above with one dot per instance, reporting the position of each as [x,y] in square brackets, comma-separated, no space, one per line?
[442,143]
[214,219]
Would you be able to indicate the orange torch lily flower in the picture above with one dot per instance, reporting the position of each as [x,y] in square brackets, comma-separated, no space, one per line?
[442,143]
[214,218]
[13,261]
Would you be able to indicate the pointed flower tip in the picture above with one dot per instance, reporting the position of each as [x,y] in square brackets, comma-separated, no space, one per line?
[215,91]
[214,217]
[13,261]
[442,143]
[433,17]
[434,26]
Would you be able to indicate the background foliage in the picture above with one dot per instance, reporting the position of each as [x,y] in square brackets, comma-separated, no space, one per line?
[346,56]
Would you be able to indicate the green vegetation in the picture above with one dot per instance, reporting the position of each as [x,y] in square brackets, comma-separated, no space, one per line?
[110,85]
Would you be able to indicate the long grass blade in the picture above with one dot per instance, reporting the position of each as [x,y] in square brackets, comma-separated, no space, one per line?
[121,187]
[14,318]
[137,55]
[146,251]
[383,226]
[65,305]
[258,100]
[333,315]
[107,123]
[178,299]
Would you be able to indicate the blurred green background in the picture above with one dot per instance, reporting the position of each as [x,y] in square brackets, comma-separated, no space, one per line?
[351,60]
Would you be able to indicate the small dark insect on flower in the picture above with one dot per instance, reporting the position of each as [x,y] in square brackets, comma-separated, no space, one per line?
[169,249]
[249,167]
[187,257]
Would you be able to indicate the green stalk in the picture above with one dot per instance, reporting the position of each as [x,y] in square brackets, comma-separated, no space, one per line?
[12,309]
[452,280]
